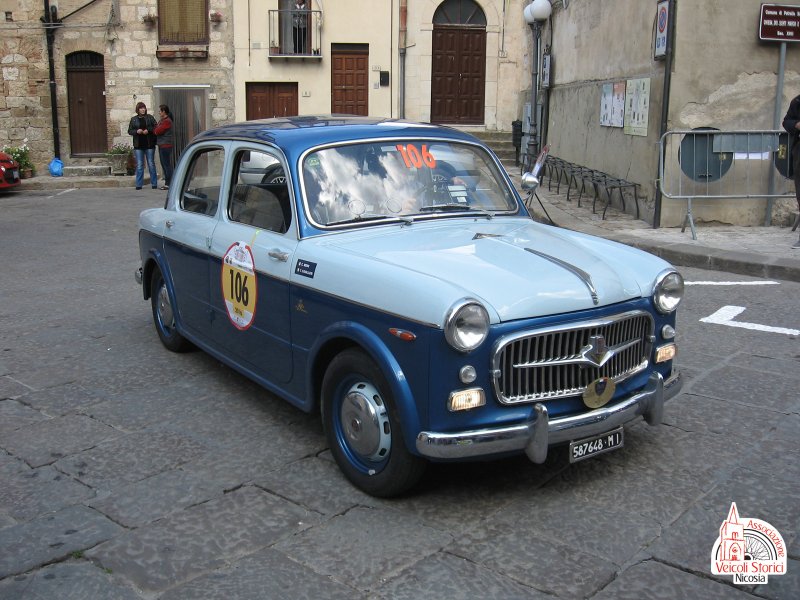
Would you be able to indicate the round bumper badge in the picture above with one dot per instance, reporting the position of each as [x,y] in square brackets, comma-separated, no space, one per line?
[599,392]
[239,285]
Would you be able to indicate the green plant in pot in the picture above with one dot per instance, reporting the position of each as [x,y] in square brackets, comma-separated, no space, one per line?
[21,154]
[119,155]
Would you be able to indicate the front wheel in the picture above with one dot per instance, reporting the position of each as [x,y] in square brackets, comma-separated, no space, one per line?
[164,315]
[363,428]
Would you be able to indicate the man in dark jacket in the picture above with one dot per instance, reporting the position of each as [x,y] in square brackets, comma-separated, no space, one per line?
[791,123]
[164,139]
[142,129]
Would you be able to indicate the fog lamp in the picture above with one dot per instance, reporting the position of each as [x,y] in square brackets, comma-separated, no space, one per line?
[466,399]
[666,352]
[668,332]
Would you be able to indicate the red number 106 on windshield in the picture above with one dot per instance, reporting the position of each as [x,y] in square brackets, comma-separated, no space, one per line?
[414,157]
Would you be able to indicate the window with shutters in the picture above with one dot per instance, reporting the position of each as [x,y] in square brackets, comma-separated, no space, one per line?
[183,22]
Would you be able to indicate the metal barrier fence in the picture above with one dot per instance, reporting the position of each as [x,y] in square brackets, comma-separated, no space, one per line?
[735,164]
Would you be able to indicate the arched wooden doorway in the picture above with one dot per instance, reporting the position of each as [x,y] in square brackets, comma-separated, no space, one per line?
[458,70]
[88,133]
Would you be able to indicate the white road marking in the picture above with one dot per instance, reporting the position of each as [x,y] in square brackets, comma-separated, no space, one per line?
[731,283]
[726,314]
[61,192]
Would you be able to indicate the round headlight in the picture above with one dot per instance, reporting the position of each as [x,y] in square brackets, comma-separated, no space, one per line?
[668,291]
[466,325]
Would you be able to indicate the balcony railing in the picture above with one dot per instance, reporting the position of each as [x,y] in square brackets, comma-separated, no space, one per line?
[295,33]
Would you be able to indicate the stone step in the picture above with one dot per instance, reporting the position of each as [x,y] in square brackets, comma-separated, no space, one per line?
[493,136]
[504,155]
[87,171]
[499,145]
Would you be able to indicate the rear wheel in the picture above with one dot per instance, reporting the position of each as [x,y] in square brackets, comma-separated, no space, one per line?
[363,428]
[164,315]
[274,174]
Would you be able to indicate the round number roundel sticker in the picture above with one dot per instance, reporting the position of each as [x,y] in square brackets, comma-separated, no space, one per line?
[239,285]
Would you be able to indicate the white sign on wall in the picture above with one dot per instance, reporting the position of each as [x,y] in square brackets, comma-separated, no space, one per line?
[637,106]
[612,104]
[546,66]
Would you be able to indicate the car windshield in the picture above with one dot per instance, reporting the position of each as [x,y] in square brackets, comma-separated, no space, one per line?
[402,179]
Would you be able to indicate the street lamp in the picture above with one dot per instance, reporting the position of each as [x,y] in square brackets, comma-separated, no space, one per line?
[535,14]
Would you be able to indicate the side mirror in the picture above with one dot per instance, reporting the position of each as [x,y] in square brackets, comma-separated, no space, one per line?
[530,181]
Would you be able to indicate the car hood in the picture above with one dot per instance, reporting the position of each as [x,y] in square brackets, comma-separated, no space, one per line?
[516,267]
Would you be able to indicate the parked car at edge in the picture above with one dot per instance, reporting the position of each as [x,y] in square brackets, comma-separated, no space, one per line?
[388,275]
[9,172]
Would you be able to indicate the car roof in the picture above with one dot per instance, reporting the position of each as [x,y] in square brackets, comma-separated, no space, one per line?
[295,134]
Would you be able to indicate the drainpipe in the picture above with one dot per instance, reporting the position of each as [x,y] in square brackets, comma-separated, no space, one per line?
[665,106]
[50,19]
[401,43]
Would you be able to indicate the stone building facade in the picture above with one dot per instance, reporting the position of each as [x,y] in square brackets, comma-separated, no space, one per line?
[466,59]
[722,77]
[112,48]
[106,58]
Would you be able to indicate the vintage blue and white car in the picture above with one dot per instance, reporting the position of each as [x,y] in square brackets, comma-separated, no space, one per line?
[388,275]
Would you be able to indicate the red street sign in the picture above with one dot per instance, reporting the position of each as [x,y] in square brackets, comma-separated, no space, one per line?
[779,23]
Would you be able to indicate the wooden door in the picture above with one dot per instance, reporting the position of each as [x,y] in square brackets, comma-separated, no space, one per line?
[267,100]
[350,82]
[458,78]
[86,102]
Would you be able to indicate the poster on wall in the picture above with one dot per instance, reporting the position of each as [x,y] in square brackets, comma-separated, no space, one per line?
[637,106]
[612,104]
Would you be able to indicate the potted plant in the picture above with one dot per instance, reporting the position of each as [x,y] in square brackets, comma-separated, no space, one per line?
[119,155]
[21,154]
[149,19]
[215,16]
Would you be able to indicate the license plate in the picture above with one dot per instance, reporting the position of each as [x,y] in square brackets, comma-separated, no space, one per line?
[16,174]
[588,447]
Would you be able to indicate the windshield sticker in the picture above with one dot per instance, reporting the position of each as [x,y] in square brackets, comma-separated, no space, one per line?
[239,285]
[305,268]
[458,193]
[414,157]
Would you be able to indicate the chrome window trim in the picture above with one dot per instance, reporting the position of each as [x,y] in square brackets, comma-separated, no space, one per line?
[501,172]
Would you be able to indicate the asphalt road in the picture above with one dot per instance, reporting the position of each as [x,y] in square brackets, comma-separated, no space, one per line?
[129,472]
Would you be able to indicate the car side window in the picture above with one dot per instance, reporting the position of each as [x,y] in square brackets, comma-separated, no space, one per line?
[260,195]
[200,193]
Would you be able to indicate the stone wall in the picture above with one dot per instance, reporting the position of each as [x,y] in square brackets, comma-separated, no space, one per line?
[113,28]
[722,77]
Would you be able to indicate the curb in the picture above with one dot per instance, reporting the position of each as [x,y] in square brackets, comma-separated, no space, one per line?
[682,254]
[44,182]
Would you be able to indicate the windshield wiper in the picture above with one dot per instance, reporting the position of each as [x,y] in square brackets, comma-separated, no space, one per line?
[362,218]
[358,219]
[455,206]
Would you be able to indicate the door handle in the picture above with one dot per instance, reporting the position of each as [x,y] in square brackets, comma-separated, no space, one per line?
[278,255]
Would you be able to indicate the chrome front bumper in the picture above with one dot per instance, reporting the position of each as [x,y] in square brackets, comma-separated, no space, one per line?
[536,435]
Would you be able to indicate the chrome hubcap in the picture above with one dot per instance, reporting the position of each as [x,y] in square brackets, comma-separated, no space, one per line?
[165,314]
[365,422]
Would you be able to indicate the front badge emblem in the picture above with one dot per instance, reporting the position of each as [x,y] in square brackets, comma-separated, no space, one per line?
[599,392]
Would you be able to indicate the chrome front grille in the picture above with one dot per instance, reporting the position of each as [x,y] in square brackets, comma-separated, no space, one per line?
[556,362]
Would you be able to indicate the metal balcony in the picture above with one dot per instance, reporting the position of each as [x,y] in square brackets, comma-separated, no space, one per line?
[295,33]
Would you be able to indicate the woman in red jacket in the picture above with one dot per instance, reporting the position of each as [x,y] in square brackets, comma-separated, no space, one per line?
[164,139]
